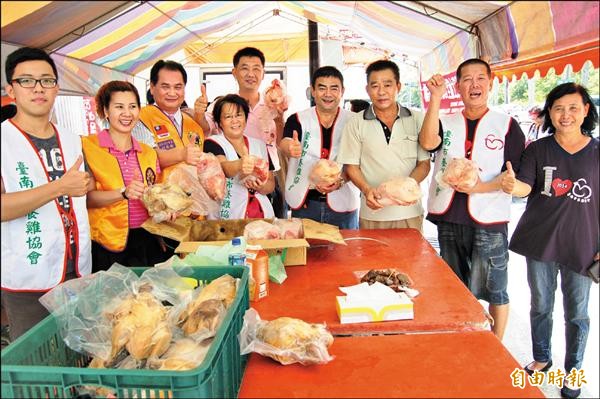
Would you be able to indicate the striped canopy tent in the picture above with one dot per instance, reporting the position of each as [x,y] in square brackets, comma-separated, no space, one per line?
[94,41]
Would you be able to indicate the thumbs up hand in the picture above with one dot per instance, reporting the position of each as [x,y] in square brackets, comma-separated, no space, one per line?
[74,182]
[295,147]
[193,153]
[247,166]
[508,179]
[201,102]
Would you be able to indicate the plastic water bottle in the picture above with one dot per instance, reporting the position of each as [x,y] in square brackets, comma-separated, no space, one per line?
[237,257]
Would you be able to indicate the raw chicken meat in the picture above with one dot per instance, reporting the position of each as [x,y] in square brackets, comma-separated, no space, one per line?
[140,326]
[261,230]
[460,171]
[261,168]
[183,354]
[398,191]
[294,340]
[289,228]
[211,176]
[164,199]
[260,174]
[186,176]
[325,173]
[276,101]
[275,97]
[205,313]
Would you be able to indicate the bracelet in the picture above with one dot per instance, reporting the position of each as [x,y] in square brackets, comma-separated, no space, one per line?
[123,193]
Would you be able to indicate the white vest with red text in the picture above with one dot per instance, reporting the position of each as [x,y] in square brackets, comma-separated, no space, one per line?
[34,255]
[347,198]
[235,202]
[488,153]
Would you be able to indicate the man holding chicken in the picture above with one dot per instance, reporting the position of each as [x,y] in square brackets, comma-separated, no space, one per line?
[311,140]
[472,219]
[380,145]
[264,122]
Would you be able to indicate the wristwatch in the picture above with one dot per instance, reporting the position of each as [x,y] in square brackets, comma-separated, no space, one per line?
[122,191]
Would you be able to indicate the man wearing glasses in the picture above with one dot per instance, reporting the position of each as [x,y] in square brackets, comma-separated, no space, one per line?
[45,229]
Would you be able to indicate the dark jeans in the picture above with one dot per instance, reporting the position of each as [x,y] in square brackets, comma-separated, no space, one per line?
[143,249]
[478,257]
[542,278]
[320,212]
[278,202]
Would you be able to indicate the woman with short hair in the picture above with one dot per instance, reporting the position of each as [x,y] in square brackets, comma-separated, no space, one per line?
[558,232]
[244,197]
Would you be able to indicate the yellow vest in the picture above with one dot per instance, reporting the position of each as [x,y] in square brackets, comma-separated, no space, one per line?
[165,133]
[109,225]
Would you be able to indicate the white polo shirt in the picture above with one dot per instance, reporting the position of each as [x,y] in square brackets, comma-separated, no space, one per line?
[364,144]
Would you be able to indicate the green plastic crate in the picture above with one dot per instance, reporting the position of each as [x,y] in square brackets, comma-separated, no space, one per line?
[40,365]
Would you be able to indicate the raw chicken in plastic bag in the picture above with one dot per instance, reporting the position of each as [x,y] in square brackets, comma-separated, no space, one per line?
[325,173]
[211,176]
[261,230]
[460,171]
[285,339]
[186,176]
[165,199]
[289,228]
[201,317]
[114,313]
[276,98]
[398,191]
[260,174]
[183,354]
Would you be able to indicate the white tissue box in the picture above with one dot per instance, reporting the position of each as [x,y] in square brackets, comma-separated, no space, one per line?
[374,310]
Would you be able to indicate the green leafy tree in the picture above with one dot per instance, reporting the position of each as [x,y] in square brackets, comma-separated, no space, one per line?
[518,91]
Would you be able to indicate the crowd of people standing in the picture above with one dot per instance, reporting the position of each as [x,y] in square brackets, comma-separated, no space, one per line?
[71,205]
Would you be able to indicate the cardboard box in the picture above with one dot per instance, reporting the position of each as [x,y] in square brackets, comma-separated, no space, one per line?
[224,230]
[368,311]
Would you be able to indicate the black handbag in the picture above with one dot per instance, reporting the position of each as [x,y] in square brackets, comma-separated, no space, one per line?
[593,271]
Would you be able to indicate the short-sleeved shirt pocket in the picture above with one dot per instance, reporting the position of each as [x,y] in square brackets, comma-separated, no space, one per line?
[407,146]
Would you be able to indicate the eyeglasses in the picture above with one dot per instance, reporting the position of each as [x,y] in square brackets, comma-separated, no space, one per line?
[29,83]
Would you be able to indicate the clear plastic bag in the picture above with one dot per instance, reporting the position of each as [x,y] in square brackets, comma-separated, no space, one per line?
[200,317]
[87,310]
[211,176]
[460,171]
[289,228]
[261,230]
[398,191]
[186,176]
[183,354]
[276,98]
[325,173]
[260,174]
[165,199]
[286,340]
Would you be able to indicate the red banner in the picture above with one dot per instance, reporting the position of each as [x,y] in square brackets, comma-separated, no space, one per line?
[451,101]
[89,106]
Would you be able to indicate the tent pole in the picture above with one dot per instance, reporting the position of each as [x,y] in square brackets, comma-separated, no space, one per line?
[313,50]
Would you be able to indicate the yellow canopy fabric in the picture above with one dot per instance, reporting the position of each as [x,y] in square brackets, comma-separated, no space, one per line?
[281,49]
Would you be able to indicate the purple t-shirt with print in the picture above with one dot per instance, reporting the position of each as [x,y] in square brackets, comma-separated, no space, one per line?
[560,222]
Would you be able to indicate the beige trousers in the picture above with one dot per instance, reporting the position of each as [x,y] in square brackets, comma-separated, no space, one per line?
[412,223]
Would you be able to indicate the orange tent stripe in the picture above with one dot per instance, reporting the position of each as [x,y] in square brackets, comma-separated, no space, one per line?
[575,56]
